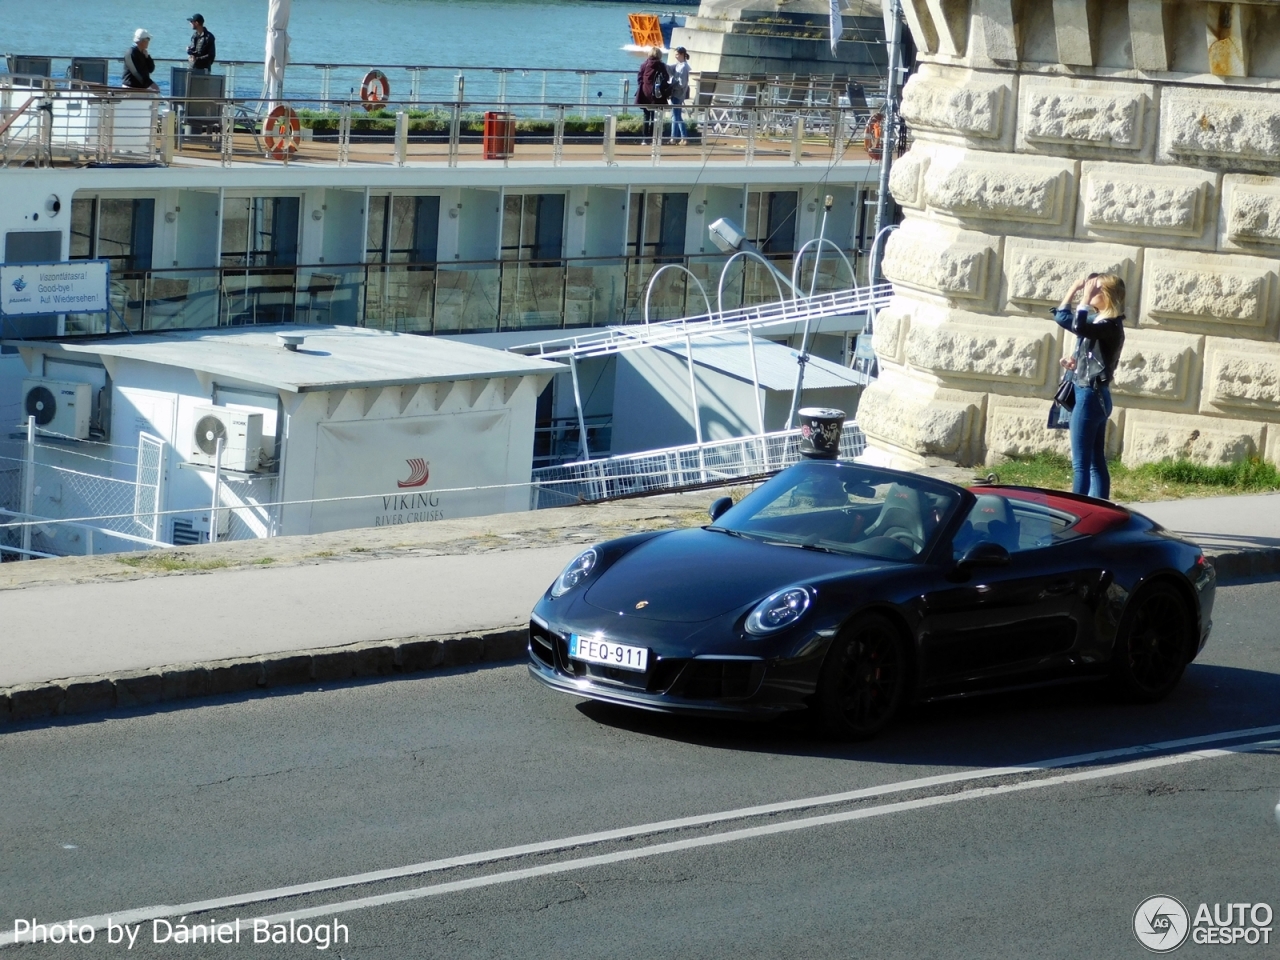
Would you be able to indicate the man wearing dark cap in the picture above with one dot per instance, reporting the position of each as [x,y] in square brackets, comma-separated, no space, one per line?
[200,51]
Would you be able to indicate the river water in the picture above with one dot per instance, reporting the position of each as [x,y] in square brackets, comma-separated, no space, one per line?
[541,34]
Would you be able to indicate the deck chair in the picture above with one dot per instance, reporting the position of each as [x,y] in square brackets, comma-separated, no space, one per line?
[26,70]
[89,70]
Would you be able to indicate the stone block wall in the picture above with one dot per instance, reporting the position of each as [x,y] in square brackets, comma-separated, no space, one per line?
[1056,139]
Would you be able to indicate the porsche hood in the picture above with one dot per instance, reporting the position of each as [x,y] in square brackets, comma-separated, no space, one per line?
[689,576]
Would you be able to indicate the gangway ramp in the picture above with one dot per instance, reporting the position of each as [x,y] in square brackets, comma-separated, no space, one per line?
[746,320]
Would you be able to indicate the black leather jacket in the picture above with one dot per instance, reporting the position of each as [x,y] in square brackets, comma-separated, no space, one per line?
[203,49]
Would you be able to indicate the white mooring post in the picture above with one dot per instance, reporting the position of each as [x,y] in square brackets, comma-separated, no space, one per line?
[29,487]
[217,492]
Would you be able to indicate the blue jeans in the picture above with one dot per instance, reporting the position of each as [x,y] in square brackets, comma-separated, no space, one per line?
[1089,442]
[677,121]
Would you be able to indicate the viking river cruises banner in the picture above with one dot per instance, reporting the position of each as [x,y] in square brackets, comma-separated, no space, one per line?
[406,462]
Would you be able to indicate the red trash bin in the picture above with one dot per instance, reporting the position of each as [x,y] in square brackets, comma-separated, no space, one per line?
[499,135]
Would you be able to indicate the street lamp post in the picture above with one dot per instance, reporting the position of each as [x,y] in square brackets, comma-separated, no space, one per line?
[890,130]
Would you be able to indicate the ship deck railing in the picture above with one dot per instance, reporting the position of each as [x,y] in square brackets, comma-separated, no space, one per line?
[49,122]
[525,89]
[450,297]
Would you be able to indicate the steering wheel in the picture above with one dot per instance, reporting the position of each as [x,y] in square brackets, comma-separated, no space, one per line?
[905,537]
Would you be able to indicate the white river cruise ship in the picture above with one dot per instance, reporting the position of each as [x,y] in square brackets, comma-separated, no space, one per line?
[506,209]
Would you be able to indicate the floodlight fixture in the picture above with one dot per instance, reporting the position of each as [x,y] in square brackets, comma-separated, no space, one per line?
[727,235]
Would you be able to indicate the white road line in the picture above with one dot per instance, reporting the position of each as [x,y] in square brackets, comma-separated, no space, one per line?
[748,833]
[99,922]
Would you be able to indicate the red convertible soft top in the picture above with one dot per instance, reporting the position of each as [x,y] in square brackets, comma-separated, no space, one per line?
[1094,515]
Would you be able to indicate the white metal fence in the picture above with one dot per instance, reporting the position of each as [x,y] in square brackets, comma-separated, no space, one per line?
[677,468]
[59,500]
[73,512]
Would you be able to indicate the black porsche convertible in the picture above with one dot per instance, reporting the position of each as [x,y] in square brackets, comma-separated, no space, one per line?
[848,590]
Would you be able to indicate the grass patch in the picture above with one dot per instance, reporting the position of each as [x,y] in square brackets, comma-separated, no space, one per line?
[263,561]
[163,561]
[1166,480]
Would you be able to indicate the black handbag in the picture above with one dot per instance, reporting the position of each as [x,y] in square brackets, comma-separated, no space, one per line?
[1065,395]
[1064,401]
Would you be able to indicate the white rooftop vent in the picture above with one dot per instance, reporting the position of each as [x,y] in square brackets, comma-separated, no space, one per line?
[291,341]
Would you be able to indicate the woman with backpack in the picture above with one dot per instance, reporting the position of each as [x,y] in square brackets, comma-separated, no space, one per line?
[653,87]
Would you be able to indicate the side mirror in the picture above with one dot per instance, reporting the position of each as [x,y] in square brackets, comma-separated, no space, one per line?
[984,554]
[719,506]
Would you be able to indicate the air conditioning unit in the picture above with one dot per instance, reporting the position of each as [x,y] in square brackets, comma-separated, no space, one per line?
[60,407]
[189,531]
[240,433]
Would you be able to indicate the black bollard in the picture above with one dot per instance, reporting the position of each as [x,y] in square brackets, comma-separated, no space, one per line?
[820,429]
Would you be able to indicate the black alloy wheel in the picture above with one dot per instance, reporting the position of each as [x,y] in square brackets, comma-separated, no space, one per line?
[864,679]
[1153,644]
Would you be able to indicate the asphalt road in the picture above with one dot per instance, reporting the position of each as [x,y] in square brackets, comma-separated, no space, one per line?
[236,797]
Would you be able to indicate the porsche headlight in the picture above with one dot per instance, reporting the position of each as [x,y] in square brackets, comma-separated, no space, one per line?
[778,611]
[578,570]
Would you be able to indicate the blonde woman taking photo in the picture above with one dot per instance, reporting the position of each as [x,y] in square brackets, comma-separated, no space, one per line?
[1093,310]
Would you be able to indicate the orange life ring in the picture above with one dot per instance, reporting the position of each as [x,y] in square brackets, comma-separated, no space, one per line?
[375,90]
[873,139]
[280,132]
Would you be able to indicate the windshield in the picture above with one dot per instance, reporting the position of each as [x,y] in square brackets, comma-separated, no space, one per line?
[844,508]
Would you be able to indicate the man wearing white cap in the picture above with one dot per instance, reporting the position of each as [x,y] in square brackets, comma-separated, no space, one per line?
[138,65]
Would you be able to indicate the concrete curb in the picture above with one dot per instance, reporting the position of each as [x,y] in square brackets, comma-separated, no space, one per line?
[140,688]
[79,695]
[1246,564]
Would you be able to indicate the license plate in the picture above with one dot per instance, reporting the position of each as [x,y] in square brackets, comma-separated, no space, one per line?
[598,650]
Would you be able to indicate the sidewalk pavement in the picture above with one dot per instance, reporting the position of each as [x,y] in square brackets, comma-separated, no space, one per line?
[87,646]
[1222,525]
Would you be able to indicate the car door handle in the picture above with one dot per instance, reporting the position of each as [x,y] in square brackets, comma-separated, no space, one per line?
[1060,588]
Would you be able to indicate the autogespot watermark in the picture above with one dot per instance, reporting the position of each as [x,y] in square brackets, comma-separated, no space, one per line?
[1162,924]
[320,936]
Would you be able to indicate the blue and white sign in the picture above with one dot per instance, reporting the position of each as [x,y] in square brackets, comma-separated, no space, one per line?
[80,286]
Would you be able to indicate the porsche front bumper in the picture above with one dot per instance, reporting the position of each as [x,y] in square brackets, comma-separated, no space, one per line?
[707,685]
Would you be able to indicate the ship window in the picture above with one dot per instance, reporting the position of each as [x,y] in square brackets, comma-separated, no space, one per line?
[83,215]
[260,231]
[112,229]
[33,246]
[771,220]
[403,230]
[124,233]
[657,224]
[533,226]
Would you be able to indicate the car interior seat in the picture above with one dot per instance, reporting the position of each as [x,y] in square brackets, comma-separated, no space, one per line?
[993,520]
[901,512]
